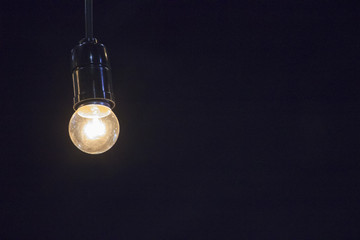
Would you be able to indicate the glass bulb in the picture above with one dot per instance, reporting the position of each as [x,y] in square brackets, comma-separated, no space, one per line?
[94,128]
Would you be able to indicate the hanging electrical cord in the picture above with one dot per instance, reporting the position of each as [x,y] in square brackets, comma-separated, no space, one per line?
[89,34]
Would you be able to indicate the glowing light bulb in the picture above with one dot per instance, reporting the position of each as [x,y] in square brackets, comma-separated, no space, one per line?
[94,128]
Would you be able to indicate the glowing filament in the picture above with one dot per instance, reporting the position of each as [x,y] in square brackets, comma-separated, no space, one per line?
[94,129]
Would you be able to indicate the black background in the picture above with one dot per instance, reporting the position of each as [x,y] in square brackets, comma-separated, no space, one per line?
[239,120]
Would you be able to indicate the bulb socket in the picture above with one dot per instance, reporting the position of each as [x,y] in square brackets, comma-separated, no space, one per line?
[91,74]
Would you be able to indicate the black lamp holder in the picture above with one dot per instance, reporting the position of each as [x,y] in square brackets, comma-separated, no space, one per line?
[91,71]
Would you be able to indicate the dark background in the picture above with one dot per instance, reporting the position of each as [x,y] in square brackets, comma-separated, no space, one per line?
[239,120]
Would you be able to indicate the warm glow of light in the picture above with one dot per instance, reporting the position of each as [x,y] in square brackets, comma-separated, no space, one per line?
[94,128]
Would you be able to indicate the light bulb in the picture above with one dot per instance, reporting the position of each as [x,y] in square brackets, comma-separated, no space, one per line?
[94,128]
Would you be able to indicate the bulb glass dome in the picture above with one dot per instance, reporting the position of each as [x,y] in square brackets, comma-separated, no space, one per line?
[94,128]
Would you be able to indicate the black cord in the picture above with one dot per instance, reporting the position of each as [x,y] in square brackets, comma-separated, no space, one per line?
[89,19]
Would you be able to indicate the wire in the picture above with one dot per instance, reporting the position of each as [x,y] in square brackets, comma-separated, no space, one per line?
[89,19]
